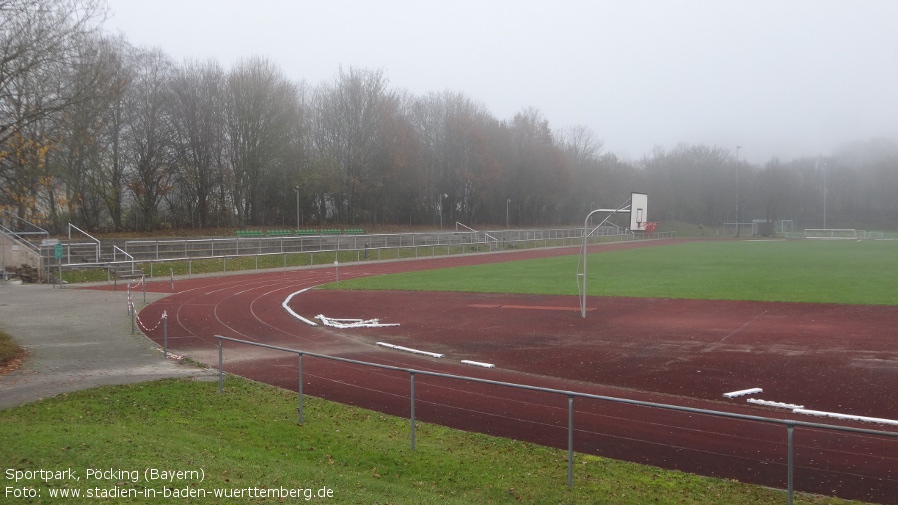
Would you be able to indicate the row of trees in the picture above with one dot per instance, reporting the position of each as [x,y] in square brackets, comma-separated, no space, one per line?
[105,135]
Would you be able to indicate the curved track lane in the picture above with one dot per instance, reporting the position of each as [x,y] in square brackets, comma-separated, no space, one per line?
[249,307]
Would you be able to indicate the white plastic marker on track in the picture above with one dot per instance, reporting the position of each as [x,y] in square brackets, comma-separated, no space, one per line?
[743,392]
[286,306]
[478,363]
[778,405]
[352,323]
[847,417]
[409,349]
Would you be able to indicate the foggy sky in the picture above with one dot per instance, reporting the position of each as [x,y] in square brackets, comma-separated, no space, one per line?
[781,78]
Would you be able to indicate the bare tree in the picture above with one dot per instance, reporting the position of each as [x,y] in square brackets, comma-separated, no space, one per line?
[148,136]
[40,46]
[458,157]
[199,122]
[537,174]
[79,155]
[262,105]
[349,114]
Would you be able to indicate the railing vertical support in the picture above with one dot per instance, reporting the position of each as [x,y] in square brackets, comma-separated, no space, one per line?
[220,372]
[570,441]
[790,428]
[164,334]
[412,376]
[300,389]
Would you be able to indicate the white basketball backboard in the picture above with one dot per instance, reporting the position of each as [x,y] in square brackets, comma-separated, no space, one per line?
[638,211]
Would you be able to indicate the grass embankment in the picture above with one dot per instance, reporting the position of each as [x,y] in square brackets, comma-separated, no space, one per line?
[247,440]
[847,272]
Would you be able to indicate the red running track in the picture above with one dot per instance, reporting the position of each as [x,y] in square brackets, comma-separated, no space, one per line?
[680,352]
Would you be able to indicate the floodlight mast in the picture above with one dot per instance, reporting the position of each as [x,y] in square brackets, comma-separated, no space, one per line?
[625,208]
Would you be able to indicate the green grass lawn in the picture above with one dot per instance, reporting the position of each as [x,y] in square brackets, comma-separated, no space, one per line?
[248,438]
[850,272]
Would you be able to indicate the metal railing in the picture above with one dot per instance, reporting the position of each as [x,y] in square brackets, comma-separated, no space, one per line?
[789,424]
[116,249]
[145,250]
[259,252]
[88,235]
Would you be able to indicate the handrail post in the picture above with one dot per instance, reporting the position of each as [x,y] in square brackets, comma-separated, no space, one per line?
[300,389]
[790,428]
[412,376]
[570,441]
[220,376]
[164,334]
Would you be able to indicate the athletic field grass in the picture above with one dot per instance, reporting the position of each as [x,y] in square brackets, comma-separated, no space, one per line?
[246,444]
[848,272]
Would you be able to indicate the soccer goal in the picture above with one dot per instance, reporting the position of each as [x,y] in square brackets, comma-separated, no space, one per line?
[831,233]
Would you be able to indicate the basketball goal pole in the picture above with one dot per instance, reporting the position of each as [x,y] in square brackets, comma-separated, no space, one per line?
[581,277]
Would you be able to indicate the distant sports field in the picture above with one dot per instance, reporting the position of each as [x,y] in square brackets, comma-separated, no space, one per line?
[843,272]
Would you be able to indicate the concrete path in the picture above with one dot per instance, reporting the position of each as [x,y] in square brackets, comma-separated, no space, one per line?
[77,339]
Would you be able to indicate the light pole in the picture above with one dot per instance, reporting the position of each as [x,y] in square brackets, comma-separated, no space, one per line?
[442,195]
[824,195]
[738,192]
[296,190]
[506,212]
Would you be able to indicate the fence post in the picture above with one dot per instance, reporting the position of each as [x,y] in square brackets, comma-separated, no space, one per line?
[570,441]
[412,376]
[790,428]
[164,334]
[300,388]
[220,377]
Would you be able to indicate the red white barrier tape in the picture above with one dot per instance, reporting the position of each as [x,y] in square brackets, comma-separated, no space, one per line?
[140,323]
